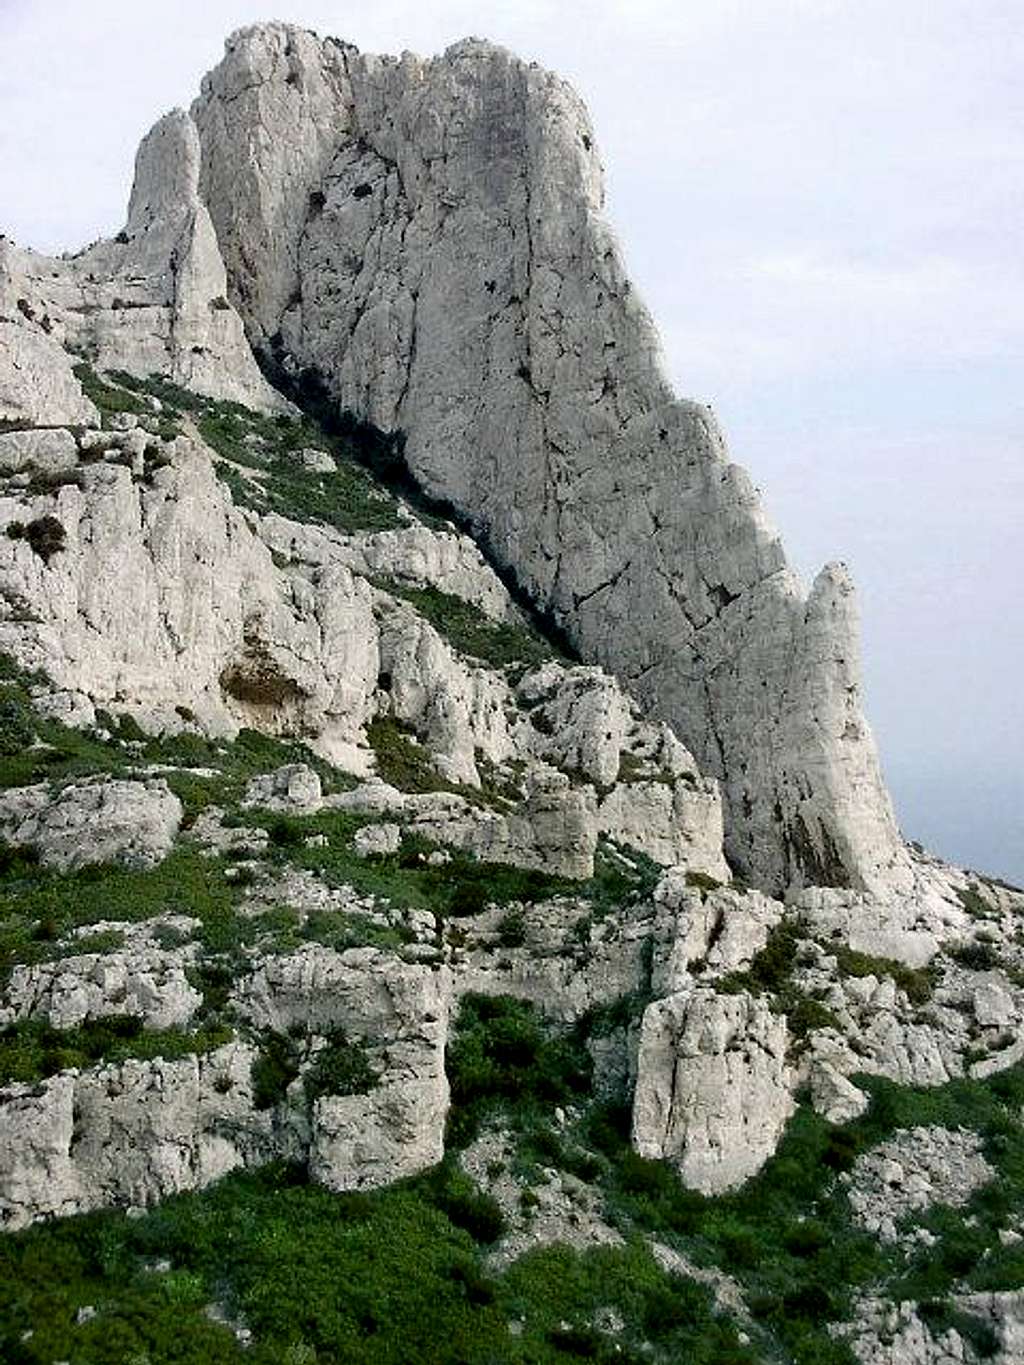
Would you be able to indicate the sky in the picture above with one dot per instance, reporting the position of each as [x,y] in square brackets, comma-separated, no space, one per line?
[821,202]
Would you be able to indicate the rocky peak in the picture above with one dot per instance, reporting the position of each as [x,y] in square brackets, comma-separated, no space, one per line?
[426,239]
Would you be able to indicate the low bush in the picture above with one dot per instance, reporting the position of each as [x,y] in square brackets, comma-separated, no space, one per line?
[917,983]
[341,1067]
[501,1052]
[32,1050]
[470,631]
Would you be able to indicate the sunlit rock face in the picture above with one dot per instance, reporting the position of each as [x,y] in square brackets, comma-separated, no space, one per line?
[425,238]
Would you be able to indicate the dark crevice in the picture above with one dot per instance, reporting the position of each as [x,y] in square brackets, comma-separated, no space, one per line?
[383,454]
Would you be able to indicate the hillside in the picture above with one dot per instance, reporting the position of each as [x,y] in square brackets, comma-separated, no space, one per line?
[451,909]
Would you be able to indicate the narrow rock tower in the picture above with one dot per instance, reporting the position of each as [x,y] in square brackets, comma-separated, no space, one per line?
[427,238]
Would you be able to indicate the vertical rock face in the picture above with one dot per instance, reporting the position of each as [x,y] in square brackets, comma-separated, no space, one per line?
[426,237]
[713,1089]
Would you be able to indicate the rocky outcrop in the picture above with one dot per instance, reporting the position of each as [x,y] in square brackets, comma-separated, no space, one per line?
[918,1168]
[93,822]
[152,301]
[127,1134]
[135,1132]
[144,983]
[713,1087]
[903,1334]
[427,238]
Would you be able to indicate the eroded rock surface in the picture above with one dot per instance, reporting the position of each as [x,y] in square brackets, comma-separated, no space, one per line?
[712,1091]
[428,237]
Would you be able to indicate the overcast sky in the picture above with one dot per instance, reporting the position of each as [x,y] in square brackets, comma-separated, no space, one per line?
[822,203]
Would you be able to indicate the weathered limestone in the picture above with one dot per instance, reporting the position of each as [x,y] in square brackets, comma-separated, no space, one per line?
[400,1011]
[715,931]
[148,984]
[127,1134]
[428,237]
[163,600]
[886,1333]
[713,1087]
[150,301]
[912,1171]
[93,822]
[295,788]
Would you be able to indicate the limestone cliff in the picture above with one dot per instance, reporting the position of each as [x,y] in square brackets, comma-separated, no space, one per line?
[427,239]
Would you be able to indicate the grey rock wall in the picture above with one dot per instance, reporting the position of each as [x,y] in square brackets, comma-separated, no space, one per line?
[429,237]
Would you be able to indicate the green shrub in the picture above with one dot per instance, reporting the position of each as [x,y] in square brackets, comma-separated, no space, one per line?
[500,1051]
[341,1067]
[107,398]
[470,631]
[46,536]
[917,983]
[32,1050]
[512,929]
[273,1069]
[976,956]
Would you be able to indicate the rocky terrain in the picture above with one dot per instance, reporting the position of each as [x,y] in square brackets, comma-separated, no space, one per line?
[450,906]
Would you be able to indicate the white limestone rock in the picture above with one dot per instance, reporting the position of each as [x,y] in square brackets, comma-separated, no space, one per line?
[93,821]
[400,1011]
[713,1090]
[294,788]
[48,450]
[835,1097]
[373,840]
[152,301]
[128,1134]
[713,931]
[465,289]
[148,984]
[912,1171]
[164,598]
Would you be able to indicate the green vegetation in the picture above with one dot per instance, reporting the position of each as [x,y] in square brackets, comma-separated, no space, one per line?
[274,1068]
[502,1053]
[31,1050]
[38,906]
[341,1067]
[787,1236]
[471,632]
[360,1279]
[46,535]
[34,748]
[405,763]
[974,902]
[271,477]
[771,972]
[978,956]
[108,398]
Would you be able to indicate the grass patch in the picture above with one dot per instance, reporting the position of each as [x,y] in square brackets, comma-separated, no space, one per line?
[108,398]
[38,906]
[471,632]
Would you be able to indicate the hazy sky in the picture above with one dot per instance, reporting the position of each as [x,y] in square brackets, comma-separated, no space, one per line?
[822,203]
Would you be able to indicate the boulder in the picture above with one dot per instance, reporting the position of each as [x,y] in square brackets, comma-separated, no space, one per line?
[713,1087]
[101,821]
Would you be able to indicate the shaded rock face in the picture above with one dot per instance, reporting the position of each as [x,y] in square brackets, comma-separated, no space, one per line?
[427,238]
